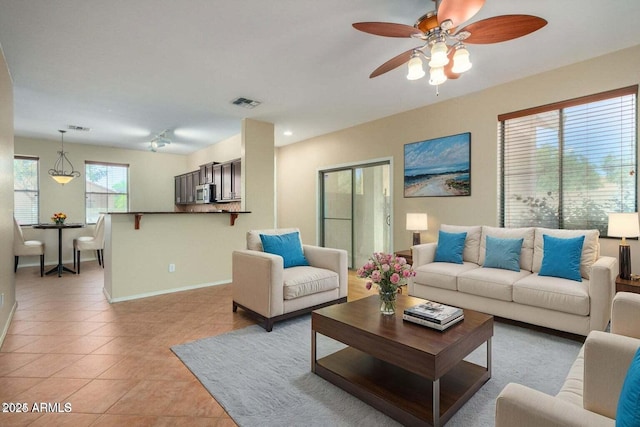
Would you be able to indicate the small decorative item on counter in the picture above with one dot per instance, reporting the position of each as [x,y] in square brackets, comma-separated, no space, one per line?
[59,217]
[388,272]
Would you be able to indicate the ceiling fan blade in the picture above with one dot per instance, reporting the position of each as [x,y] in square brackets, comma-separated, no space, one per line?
[447,68]
[394,62]
[502,28]
[386,29]
[458,11]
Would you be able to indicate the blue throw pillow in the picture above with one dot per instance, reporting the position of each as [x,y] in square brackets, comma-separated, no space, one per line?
[561,257]
[627,414]
[503,253]
[450,247]
[287,246]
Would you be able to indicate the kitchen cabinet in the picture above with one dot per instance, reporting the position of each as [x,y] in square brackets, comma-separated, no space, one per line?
[185,187]
[226,176]
[231,181]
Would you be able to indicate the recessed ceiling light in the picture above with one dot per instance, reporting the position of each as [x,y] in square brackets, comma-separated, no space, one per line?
[287,133]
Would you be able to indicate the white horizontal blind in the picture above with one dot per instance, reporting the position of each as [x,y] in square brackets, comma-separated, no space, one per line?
[25,189]
[571,164]
[106,189]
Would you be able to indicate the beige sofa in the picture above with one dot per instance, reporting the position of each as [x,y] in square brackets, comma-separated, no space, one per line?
[263,287]
[553,302]
[590,394]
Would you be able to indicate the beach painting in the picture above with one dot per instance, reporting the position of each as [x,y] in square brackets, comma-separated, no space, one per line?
[438,167]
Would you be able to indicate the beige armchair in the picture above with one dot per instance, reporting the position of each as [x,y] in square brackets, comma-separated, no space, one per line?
[263,287]
[590,394]
[26,248]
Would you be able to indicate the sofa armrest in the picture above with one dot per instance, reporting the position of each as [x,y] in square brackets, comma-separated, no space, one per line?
[257,281]
[624,314]
[521,406]
[602,283]
[423,254]
[331,259]
[606,361]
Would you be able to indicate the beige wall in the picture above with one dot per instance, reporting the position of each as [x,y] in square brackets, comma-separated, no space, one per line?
[151,186]
[476,113]
[220,152]
[7,278]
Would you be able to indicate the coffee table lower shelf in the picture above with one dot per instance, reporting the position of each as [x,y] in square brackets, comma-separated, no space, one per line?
[401,394]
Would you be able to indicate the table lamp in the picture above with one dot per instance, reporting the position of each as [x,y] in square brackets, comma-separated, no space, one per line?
[417,222]
[624,225]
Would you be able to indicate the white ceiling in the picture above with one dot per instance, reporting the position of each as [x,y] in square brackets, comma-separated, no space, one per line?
[129,69]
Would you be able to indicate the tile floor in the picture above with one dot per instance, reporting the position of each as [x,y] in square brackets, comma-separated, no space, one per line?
[111,364]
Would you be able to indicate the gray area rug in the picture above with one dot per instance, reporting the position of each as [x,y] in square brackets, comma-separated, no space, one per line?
[265,379]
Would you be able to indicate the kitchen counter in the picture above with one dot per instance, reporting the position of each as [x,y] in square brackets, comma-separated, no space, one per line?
[233,215]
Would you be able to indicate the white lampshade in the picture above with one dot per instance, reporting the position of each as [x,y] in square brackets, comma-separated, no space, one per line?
[415,69]
[417,221]
[624,225]
[461,61]
[437,76]
[439,55]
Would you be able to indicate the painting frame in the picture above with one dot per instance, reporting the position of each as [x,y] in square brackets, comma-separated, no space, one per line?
[438,167]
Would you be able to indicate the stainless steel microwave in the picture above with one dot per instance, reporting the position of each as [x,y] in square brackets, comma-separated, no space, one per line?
[206,193]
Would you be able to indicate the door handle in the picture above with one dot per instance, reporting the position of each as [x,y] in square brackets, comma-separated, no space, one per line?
[389,220]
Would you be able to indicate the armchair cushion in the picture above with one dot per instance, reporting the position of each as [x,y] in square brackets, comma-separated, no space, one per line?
[301,281]
[288,246]
[627,414]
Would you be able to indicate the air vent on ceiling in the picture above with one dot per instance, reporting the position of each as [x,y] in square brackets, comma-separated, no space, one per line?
[81,128]
[245,102]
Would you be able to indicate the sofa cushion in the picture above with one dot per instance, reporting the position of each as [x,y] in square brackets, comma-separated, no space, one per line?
[492,283]
[561,257]
[288,246]
[526,234]
[503,253]
[627,414]
[471,250]
[567,296]
[253,236]
[441,274]
[450,247]
[590,247]
[301,281]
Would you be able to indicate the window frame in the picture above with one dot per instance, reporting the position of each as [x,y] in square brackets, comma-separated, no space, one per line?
[560,107]
[37,191]
[87,193]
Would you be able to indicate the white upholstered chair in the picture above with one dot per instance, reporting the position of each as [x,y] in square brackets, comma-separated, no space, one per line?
[590,393]
[90,243]
[263,287]
[26,248]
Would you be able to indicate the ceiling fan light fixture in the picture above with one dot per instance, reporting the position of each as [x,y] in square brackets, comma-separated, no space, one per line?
[461,62]
[437,76]
[439,55]
[415,68]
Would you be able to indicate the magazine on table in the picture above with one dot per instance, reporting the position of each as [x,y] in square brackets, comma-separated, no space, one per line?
[437,326]
[434,312]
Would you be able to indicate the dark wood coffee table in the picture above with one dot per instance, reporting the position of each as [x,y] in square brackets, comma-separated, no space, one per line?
[410,372]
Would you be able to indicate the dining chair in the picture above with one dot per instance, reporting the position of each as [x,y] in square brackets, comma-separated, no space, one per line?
[26,248]
[94,242]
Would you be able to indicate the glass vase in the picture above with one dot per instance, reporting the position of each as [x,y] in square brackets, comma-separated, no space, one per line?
[388,302]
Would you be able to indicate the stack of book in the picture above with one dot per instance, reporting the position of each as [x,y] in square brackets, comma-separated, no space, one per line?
[434,315]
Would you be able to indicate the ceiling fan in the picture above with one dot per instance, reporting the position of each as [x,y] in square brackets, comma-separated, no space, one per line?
[443,42]
[158,141]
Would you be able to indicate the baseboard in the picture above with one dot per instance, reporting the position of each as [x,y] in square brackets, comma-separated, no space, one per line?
[163,292]
[9,319]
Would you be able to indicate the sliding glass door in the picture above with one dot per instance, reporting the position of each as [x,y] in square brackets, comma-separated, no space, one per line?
[356,210]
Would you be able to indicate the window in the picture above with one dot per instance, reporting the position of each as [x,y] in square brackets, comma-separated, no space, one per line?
[106,189]
[25,189]
[568,165]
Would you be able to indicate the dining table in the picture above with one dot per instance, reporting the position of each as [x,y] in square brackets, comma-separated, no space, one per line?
[60,268]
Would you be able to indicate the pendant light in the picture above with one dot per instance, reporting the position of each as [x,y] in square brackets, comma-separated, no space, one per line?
[58,173]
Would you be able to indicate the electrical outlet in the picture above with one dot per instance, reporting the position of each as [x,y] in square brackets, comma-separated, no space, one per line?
[172,268]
